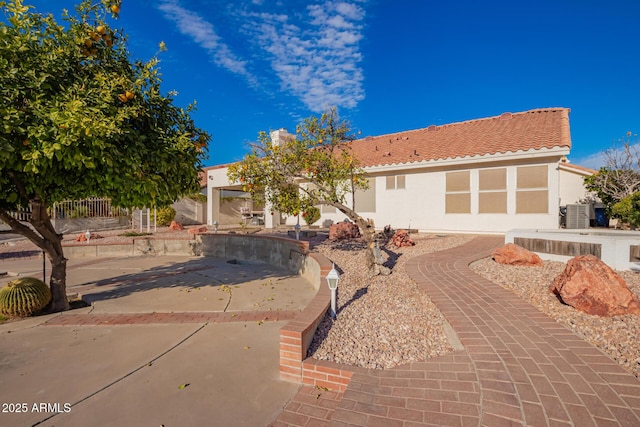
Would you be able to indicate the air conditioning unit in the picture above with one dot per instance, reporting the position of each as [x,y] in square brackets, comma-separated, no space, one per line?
[577,216]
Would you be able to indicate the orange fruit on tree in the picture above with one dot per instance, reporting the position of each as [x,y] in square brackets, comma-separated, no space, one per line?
[122,97]
[129,95]
[115,8]
[101,29]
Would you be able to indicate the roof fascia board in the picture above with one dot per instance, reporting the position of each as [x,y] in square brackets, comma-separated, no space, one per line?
[485,158]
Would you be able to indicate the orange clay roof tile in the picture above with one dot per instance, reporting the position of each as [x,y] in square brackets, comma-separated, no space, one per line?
[509,132]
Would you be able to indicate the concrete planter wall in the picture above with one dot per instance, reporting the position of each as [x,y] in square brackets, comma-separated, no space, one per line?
[614,247]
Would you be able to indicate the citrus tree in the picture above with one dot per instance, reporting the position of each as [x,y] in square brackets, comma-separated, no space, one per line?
[316,167]
[80,119]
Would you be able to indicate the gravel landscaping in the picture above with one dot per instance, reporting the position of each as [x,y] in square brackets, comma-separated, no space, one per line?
[383,321]
[616,336]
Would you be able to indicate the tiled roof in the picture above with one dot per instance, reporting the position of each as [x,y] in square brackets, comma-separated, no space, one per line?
[507,133]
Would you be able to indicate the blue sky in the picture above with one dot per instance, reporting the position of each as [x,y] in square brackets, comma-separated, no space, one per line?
[391,65]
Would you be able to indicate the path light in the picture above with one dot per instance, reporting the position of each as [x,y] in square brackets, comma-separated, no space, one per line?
[88,235]
[332,280]
[215,226]
[297,228]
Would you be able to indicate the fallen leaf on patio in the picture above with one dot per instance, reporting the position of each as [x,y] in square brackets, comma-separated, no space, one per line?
[184,386]
[259,322]
[246,347]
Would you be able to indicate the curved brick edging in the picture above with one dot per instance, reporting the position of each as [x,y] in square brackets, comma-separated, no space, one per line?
[296,337]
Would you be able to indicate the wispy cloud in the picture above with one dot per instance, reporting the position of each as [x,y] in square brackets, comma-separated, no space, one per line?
[593,161]
[317,59]
[311,52]
[203,33]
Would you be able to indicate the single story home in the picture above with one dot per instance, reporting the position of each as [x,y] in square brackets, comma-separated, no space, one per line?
[487,175]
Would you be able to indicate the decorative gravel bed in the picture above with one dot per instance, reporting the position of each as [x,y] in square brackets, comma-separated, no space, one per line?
[383,321]
[619,336]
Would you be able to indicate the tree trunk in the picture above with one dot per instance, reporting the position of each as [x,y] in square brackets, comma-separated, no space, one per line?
[44,236]
[374,256]
[367,228]
[58,285]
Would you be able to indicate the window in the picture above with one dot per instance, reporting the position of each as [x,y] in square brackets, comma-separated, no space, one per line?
[532,192]
[458,193]
[492,197]
[326,209]
[365,200]
[395,182]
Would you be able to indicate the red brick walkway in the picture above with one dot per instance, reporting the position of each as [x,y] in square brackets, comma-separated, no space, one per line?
[519,366]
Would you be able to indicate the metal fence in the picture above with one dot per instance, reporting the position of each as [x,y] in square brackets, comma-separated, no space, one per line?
[92,207]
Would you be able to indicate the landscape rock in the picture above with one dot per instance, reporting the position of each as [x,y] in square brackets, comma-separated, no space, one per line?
[83,238]
[512,254]
[592,287]
[176,226]
[197,230]
[343,230]
[401,238]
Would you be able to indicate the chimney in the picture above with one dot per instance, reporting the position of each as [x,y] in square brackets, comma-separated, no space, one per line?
[279,136]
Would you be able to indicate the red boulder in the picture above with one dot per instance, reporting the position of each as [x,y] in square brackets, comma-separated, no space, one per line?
[402,238]
[343,230]
[513,254]
[175,226]
[198,230]
[591,286]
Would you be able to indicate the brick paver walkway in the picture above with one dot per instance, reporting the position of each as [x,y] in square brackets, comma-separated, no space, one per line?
[519,366]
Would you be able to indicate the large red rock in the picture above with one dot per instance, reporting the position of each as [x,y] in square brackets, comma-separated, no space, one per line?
[343,230]
[402,238]
[176,226]
[83,238]
[198,230]
[591,286]
[513,254]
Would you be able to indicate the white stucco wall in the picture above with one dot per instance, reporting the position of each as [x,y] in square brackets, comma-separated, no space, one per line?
[421,204]
[571,186]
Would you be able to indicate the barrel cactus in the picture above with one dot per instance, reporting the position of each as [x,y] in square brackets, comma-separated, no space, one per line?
[24,296]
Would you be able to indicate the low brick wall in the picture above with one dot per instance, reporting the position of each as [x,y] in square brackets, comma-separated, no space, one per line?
[296,336]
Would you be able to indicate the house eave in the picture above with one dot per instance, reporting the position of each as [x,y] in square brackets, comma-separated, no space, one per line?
[459,161]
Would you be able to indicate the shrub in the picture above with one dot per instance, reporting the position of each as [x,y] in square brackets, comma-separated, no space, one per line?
[311,215]
[24,296]
[628,209]
[165,216]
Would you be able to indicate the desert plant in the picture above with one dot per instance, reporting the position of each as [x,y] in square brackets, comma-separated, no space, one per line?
[24,296]
[311,215]
[165,216]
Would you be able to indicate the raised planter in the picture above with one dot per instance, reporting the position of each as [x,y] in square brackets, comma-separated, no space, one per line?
[614,247]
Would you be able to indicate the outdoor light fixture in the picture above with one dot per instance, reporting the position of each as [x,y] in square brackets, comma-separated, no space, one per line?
[215,225]
[88,235]
[332,280]
[297,228]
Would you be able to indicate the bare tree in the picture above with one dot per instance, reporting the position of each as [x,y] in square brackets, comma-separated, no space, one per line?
[620,176]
